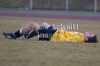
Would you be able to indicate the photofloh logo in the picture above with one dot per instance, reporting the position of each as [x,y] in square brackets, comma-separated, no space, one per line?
[61,26]
[66,27]
[58,27]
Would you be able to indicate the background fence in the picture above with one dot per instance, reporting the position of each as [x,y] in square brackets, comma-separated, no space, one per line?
[70,5]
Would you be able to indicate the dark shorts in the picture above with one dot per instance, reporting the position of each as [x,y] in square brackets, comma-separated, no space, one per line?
[46,34]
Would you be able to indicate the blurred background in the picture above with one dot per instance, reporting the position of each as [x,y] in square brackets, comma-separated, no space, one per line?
[69,5]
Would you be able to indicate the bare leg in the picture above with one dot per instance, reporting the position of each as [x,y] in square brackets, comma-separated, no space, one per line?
[45,25]
[33,33]
[31,26]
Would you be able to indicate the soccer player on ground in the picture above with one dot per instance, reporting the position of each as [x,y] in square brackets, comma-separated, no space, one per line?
[49,33]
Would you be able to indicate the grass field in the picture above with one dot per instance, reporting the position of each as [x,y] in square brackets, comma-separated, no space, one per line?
[32,52]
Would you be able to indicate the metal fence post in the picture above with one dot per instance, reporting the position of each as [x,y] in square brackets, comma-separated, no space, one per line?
[95,6]
[67,5]
[31,4]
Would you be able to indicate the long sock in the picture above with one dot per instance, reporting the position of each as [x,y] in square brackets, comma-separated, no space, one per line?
[17,34]
[32,34]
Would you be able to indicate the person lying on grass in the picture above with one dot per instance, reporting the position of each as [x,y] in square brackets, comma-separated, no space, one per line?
[47,32]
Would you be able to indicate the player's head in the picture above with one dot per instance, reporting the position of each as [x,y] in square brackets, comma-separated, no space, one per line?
[90,37]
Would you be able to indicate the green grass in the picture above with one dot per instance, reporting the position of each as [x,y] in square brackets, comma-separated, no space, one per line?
[32,52]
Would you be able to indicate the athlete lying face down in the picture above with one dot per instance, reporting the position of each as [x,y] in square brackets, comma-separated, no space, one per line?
[46,32]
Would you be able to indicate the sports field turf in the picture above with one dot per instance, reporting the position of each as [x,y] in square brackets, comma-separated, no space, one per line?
[32,52]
